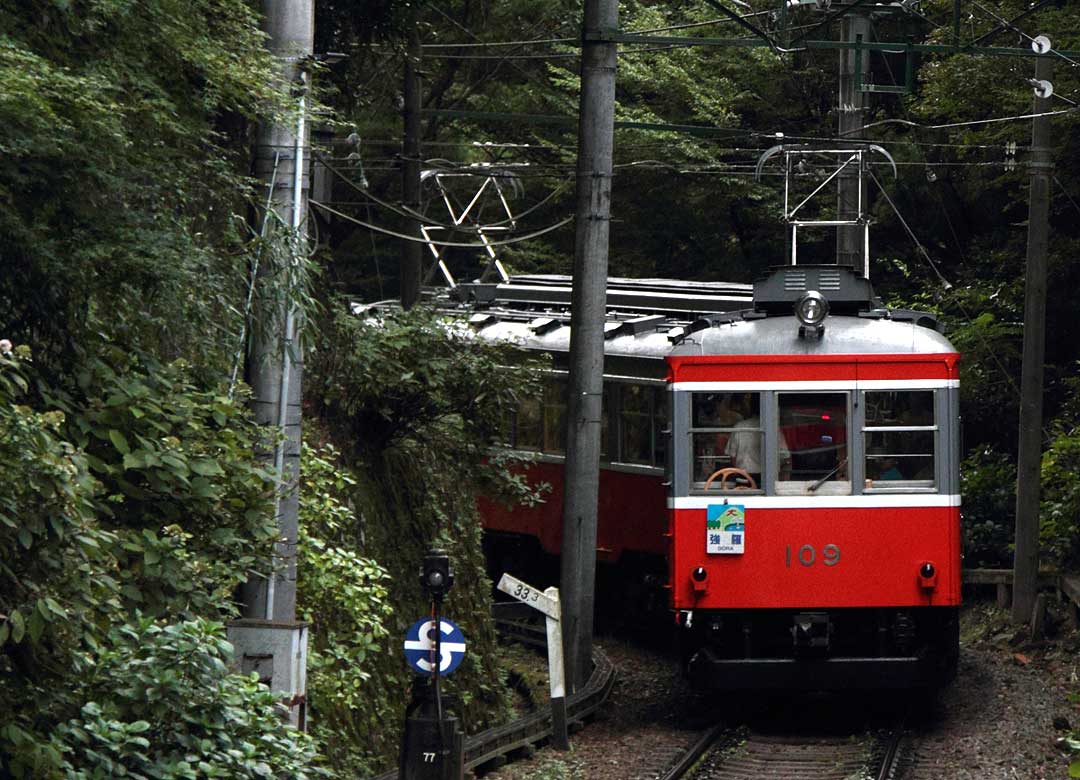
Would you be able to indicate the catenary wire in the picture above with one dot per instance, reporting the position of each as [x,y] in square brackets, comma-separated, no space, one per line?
[405,211]
[395,234]
[1005,22]
[909,123]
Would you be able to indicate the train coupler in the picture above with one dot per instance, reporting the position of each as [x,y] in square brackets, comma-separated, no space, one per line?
[810,632]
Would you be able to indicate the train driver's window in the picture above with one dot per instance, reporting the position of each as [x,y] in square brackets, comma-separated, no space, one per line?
[899,439]
[812,444]
[726,433]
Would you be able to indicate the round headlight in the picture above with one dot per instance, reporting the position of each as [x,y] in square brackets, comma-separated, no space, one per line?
[811,308]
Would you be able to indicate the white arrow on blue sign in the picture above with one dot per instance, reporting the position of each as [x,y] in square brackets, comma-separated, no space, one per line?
[420,645]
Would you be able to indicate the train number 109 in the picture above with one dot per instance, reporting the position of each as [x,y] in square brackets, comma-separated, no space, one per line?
[807,555]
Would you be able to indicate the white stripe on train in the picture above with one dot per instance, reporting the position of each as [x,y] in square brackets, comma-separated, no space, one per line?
[898,501]
[824,384]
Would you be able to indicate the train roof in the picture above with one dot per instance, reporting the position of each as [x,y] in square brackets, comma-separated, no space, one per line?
[552,292]
[842,335]
[655,318]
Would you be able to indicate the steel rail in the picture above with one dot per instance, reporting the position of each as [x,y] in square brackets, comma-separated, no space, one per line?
[891,759]
[883,763]
[693,753]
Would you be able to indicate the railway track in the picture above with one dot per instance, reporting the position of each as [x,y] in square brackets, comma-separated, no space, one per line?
[719,755]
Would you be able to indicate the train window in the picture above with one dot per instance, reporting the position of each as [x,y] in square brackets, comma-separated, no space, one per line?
[555,416]
[607,403]
[636,424]
[505,434]
[812,444]
[899,439]
[726,433]
[660,424]
[642,419]
[528,430]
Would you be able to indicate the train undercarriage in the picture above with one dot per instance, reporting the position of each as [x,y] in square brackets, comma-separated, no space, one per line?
[820,649]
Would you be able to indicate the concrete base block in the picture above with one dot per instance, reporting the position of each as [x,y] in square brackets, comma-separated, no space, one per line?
[277,652]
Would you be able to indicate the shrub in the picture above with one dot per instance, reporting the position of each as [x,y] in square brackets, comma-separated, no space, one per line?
[988,485]
[417,404]
[346,596]
[171,522]
[158,701]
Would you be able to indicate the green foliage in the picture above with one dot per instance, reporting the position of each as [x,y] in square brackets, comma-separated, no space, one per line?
[141,494]
[159,702]
[988,485]
[124,160]
[1059,509]
[182,489]
[122,129]
[57,576]
[409,377]
[416,405]
[346,596]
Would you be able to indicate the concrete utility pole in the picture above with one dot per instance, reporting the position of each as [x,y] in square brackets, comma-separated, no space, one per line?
[411,251]
[1029,458]
[593,216]
[268,639]
[852,109]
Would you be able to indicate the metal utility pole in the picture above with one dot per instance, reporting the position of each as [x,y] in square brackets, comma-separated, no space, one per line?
[1029,458]
[268,639]
[850,196]
[411,251]
[596,128]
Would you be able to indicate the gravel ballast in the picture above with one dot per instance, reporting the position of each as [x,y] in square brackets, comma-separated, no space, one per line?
[1000,719]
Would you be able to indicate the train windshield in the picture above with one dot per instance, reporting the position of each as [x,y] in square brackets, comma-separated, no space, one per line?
[812,444]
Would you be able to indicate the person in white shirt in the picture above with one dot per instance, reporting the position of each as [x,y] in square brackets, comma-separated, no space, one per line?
[744,447]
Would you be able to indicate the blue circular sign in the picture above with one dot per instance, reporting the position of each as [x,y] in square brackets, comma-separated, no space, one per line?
[420,646]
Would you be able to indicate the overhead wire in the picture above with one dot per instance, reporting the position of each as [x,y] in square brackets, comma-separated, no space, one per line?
[528,74]
[1006,23]
[947,285]
[989,350]
[972,122]
[429,242]
[550,41]
[915,239]
[762,134]
[405,211]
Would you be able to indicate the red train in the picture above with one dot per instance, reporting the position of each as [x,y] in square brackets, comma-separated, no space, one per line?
[785,464]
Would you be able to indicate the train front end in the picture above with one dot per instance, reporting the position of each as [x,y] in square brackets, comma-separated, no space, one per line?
[814,508]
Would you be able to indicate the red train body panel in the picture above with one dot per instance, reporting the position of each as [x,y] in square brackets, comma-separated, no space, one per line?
[789,560]
[631,516]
